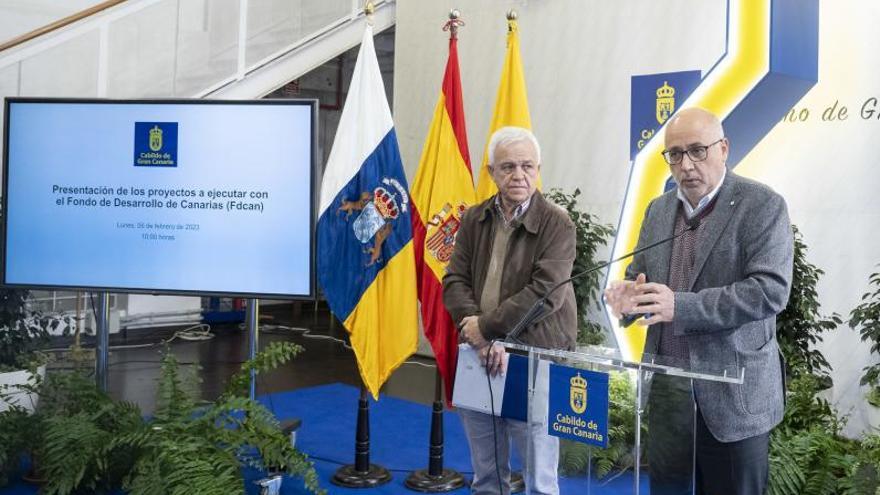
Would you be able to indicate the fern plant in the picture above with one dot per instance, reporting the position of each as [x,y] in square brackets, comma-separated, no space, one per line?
[866,317]
[90,443]
[16,430]
[808,454]
[590,235]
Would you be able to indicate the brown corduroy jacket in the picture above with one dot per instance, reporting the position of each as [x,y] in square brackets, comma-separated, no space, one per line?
[540,255]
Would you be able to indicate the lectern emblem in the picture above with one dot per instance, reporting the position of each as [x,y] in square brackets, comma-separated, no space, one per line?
[578,394]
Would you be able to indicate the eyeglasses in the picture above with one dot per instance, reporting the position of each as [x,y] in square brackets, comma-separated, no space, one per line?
[695,153]
[507,168]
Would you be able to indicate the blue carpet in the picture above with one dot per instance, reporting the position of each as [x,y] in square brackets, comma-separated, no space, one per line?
[399,441]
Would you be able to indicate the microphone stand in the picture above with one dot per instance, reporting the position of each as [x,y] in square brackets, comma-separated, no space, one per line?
[537,309]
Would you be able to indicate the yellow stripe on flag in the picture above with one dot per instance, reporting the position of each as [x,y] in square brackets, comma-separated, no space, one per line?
[382,325]
[443,179]
[511,107]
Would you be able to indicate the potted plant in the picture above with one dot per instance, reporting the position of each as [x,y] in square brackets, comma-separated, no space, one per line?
[86,442]
[590,236]
[22,333]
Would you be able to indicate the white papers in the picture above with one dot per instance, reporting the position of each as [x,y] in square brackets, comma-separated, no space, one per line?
[471,385]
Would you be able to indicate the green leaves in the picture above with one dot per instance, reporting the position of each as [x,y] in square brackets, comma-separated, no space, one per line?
[84,442]
[801,326]
[273,356]
[22,332]
[590,235]
[808,454]
[866,317]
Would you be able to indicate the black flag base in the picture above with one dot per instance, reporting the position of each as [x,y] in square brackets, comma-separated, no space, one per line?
[361,474]
[517,484]
[422,481]
[436,478]
[349,477]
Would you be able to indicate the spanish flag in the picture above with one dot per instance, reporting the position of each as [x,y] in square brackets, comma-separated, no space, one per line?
[364,237]
[511,107]
[442,190]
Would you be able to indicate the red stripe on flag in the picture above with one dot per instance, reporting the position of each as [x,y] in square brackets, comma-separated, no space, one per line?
[418,235]
[440,331]
[454,102]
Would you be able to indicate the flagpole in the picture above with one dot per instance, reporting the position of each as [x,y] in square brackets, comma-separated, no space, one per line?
[361,474]
[436,479]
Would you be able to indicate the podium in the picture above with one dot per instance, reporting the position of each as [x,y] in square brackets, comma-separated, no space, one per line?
[624,426]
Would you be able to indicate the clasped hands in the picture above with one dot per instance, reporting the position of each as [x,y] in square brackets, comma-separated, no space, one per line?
[654,302]
[493,356]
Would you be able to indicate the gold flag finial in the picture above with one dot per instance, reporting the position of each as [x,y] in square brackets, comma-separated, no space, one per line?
[453,23]
[511,21]
[369,9]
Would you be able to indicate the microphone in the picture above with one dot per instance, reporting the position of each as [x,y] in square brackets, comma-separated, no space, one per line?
[537,309]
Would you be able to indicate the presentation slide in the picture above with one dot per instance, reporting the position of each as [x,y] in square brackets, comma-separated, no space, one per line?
[174,196]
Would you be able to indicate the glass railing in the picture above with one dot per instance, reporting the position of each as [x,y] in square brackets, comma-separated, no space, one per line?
[167,48]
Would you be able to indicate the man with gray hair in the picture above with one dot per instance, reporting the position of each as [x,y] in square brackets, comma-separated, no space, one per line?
[510,251]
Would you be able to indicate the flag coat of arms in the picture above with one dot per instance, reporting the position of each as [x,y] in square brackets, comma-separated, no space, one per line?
[365,255]
[442,190]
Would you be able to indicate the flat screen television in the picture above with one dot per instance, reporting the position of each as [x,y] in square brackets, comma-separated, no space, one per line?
[197,197]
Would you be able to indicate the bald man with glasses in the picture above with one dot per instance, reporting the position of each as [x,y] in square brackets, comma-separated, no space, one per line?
[710,297]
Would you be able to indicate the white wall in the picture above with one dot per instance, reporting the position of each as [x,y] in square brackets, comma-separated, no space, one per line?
[579,57]
[830,175]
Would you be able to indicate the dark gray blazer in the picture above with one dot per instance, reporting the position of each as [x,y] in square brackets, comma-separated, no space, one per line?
[741,281]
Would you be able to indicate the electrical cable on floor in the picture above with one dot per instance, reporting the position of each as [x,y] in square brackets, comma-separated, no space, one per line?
[304,332]
[202,332]
[198,332]
[307,333]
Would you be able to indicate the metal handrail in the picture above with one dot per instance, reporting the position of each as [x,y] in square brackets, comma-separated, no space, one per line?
[66,21]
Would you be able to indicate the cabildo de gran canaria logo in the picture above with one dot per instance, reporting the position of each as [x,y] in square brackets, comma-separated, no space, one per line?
[655,97]
[665,102]
[570,414]
[578,394]
[155,144]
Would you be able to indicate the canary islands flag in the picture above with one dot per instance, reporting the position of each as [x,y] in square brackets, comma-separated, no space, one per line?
[365,251]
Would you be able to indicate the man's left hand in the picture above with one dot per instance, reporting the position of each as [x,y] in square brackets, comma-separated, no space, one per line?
[494,357]
[470,332]
[656,299]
